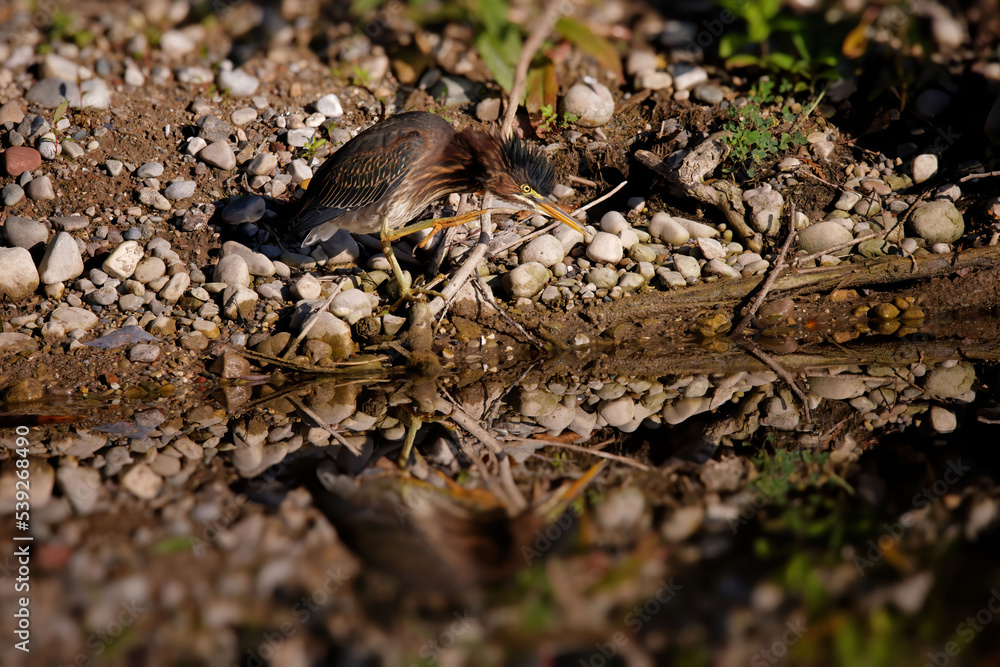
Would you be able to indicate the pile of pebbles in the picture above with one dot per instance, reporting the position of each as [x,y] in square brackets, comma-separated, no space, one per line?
[122,259]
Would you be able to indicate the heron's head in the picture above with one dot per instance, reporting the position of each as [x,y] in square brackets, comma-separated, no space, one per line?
[519,173]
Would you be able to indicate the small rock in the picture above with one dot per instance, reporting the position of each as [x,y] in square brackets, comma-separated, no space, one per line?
[526,280]
[74,318]
[219,155]
[142,482]
[653,80]
[329,105]
[241,210]
[239,301]
[711,249]
[837,387]
[149,170]
[263,164]
[114,167]
[341,248]
[19,159]
[943,420]
[149,269]
[605,248]
[950,382]
[232,270]
[717,267]
[243,116]
[175,287]
[18,276]
[300,137]
[257,263]
[924,167]
[12,194]
[62,260]
[938,222]
[237,83]
[24,232]
[592,104]
[82,486]
[545,250]
[687,266]
[176,44]
[51,91]
[847,200]
[353,305]
[617,412]
[613,222]
[306,287]
[11,112]
[687,77]
[708,94]
[697,230]
[602,277]
[179,190]
[121,262]
[144,353]
[822,150]
[663,227]
[213,129]
[488,110]
[821,236]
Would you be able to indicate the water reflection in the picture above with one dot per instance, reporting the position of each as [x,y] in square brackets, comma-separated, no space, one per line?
[695,516]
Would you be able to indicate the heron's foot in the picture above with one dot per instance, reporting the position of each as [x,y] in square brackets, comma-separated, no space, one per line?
[409,293]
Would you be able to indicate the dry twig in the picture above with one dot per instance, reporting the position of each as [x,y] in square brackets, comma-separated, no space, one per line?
[534,42]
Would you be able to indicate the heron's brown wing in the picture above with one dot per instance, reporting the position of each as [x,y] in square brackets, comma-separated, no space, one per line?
[361,173]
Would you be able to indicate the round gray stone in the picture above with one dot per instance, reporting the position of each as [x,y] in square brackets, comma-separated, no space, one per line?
[219,155]
[592,104]
[938,222]
[24,232]
[179,190]
[526,280]
[545,250]
[822,236]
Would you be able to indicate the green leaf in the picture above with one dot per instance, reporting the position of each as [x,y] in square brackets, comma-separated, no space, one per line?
[743,60]
[493,14]
[361,7]
[541,89]
[593,45]
[491,52]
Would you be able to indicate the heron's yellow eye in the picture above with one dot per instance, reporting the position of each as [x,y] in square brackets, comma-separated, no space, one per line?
[526,189]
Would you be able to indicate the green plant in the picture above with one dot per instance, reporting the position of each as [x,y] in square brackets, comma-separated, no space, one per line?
[314,144]
[780,41]
[755,134]
[361,77]
[551,120]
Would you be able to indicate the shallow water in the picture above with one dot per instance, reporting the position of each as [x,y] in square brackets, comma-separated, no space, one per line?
[728,522]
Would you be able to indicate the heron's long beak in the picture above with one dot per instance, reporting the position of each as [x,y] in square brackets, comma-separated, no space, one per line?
[553,211]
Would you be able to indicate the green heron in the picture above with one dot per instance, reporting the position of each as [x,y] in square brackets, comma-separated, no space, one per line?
[388,174]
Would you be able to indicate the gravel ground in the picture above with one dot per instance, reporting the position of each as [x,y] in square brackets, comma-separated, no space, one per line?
[141,227]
